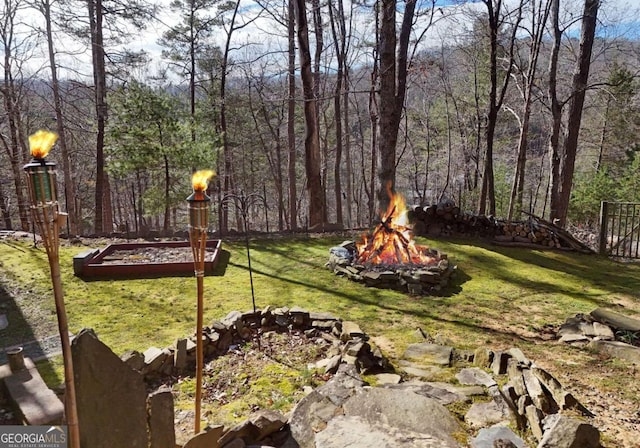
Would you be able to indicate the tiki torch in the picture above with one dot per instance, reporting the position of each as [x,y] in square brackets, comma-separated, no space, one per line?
[41,182]
[198,224]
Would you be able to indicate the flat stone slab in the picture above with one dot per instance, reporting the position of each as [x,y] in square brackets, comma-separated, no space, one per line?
[431,390]
[38,404]
[567,432]
[205,439]
[420,371]
[487,436]
[617,349]
[429,353]
[357,432]
[573,337]
[481,415]
[475,376]
[388,378]
[616,320]
[466,391]
[406,411]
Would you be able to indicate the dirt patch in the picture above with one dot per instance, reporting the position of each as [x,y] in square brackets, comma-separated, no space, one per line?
[144,255]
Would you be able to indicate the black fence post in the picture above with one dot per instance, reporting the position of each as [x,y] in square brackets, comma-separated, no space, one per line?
[604,220]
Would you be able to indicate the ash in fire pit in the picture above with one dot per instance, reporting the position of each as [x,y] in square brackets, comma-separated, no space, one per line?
[388,256]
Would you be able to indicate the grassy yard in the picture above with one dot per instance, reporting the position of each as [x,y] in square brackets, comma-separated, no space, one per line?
[500,297]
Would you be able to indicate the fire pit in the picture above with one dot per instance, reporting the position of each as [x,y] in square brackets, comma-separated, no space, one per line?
[143,259]
[388,256]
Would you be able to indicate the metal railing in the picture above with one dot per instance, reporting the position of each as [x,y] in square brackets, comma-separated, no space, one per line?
[620,229]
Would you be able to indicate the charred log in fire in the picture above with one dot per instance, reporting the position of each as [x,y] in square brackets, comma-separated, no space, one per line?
[391,241]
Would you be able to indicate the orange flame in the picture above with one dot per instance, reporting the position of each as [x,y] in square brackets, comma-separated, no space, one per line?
[200,179]
[391,242]
[41,143]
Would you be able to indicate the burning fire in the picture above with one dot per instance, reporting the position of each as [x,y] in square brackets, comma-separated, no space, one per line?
[391,241]
[200,180]
[41,143]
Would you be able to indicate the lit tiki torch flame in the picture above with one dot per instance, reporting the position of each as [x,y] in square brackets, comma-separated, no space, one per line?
[41,143]
[391,241]
[198,225]
[41,182]
[42,174]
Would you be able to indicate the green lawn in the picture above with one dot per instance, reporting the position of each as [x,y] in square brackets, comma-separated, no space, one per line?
[500,297]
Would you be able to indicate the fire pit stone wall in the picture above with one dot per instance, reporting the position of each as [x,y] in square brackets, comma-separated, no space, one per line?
[411,278]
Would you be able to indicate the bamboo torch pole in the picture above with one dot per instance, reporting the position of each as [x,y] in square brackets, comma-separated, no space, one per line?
[45,212]
[198,225]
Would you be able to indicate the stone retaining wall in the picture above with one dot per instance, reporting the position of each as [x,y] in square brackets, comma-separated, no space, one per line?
[532,400]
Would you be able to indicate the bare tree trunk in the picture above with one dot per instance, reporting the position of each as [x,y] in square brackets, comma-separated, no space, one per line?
[69,186]
[603,135]
[167,184]
[15,155]
[107,208]
[347,149]
[291,111]
[373,118]
[8,89]
[393,81]
[556,111]
[279,183]
[226,150]
[312,140]
[388,119]
[6,217]
[447,179]
[487,190]
[317,55]
[540,15]
[477,151]
[340,46]
[576,103]
[192,70]
[99,79]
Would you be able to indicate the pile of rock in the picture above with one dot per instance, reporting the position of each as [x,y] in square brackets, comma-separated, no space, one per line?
[411,278]
[348,342]
[535,398]
[409,410]
[112,390]
[604,331]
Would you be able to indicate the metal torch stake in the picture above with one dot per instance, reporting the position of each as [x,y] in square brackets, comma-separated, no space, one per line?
[49,219]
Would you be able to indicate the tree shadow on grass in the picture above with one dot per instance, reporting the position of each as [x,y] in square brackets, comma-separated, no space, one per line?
[377,297]
[593,271]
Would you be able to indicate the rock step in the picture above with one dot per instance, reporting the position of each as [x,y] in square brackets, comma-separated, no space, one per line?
[36,403]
